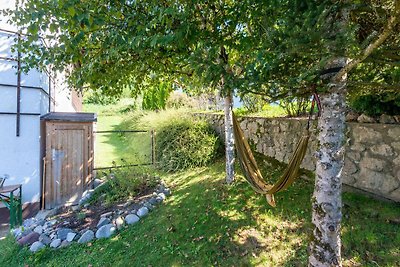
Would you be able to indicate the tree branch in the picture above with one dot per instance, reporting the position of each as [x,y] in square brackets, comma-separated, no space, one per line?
[393,20]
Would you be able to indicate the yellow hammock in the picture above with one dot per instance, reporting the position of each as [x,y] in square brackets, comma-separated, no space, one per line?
[253,174]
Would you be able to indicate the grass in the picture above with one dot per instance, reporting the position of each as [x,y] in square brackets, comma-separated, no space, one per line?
[116,148]
[208,223]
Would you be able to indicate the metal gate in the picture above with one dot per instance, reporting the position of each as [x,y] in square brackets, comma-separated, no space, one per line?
[120,162]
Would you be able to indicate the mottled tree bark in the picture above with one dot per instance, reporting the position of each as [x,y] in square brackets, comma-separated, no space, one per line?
[327,201]
[229,140]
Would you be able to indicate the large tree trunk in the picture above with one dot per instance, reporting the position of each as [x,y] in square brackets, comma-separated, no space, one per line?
[327,201]
[229,140]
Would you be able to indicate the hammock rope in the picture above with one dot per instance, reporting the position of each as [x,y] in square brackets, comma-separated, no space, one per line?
[250,168]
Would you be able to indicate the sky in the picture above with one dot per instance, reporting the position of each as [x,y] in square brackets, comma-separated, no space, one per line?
[5,4]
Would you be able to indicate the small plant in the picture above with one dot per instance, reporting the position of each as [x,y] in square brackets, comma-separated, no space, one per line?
[186,143]
[124,183]
[81,216]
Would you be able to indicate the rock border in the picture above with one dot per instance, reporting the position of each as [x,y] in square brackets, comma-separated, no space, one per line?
[39,233]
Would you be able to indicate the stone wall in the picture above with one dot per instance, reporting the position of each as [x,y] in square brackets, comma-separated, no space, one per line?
[372,158]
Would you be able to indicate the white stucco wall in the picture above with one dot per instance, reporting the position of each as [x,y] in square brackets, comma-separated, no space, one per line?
[20,156]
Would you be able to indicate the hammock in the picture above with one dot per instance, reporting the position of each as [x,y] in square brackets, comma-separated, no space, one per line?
[253,174]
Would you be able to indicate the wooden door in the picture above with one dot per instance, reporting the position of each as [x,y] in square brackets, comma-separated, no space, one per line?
[68,151]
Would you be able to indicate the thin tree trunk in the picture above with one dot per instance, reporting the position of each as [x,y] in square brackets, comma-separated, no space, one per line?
[229,140]
[327,200]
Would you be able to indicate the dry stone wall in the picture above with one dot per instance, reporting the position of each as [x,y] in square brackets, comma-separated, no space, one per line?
[372,158]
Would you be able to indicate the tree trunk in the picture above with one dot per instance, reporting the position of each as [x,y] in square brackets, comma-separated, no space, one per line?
[229,140]
[327,201]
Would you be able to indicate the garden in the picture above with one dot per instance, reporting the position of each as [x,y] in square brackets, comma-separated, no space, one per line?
[246,133]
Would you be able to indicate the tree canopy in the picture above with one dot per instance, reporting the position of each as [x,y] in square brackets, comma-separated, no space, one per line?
[273,48]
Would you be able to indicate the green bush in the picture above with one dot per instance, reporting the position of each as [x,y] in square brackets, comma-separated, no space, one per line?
[98,98]
[184,143]
[124,183]
[377,104]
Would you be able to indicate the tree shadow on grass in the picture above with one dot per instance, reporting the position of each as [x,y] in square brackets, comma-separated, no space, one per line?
[208,223]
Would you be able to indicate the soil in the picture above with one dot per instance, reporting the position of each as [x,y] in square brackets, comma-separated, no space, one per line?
[89,217]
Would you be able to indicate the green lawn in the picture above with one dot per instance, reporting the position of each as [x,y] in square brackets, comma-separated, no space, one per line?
[208,223]
[117,148]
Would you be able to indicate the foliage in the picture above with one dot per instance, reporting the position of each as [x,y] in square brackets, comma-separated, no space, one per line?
[376,104]
[295,107]
[96,98]
[180,100]
[207,223]
[186,143]
[156,96]
[253,103]
[124,183]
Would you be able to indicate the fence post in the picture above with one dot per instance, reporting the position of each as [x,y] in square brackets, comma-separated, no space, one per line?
[153,147]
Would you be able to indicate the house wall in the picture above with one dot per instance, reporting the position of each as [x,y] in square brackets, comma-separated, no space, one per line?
[20,157]
[372,157]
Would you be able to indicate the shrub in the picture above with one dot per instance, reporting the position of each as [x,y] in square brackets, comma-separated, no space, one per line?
[180,100]
[376,104]
[124,183]
[98,98]
[186,143]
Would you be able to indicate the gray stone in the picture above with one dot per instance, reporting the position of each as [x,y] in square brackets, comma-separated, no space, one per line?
[387,119]
[119,222]
[349,167]
[86,237]
[29,239]
[51,222]
[394,133]
[162,195]
[36,246]
[365,119]
[369,180]
[63,232]
[97,182]
[75,208]
[38,229]
[396,146]
[45,239]
[87,193]
[148,205]
[372,164]
[107,214]
[131,219]
[395,194]
[364,134]
[55,243]
[159,199]
[105,231]
[382,150]
[64,244]
[167,191]
[389,184]
[355,156]
[70,236]
[103,221]
[396,161]
[16,232]
[53,235]
[153,201]
[352,116]
[29,222]
[143,211]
